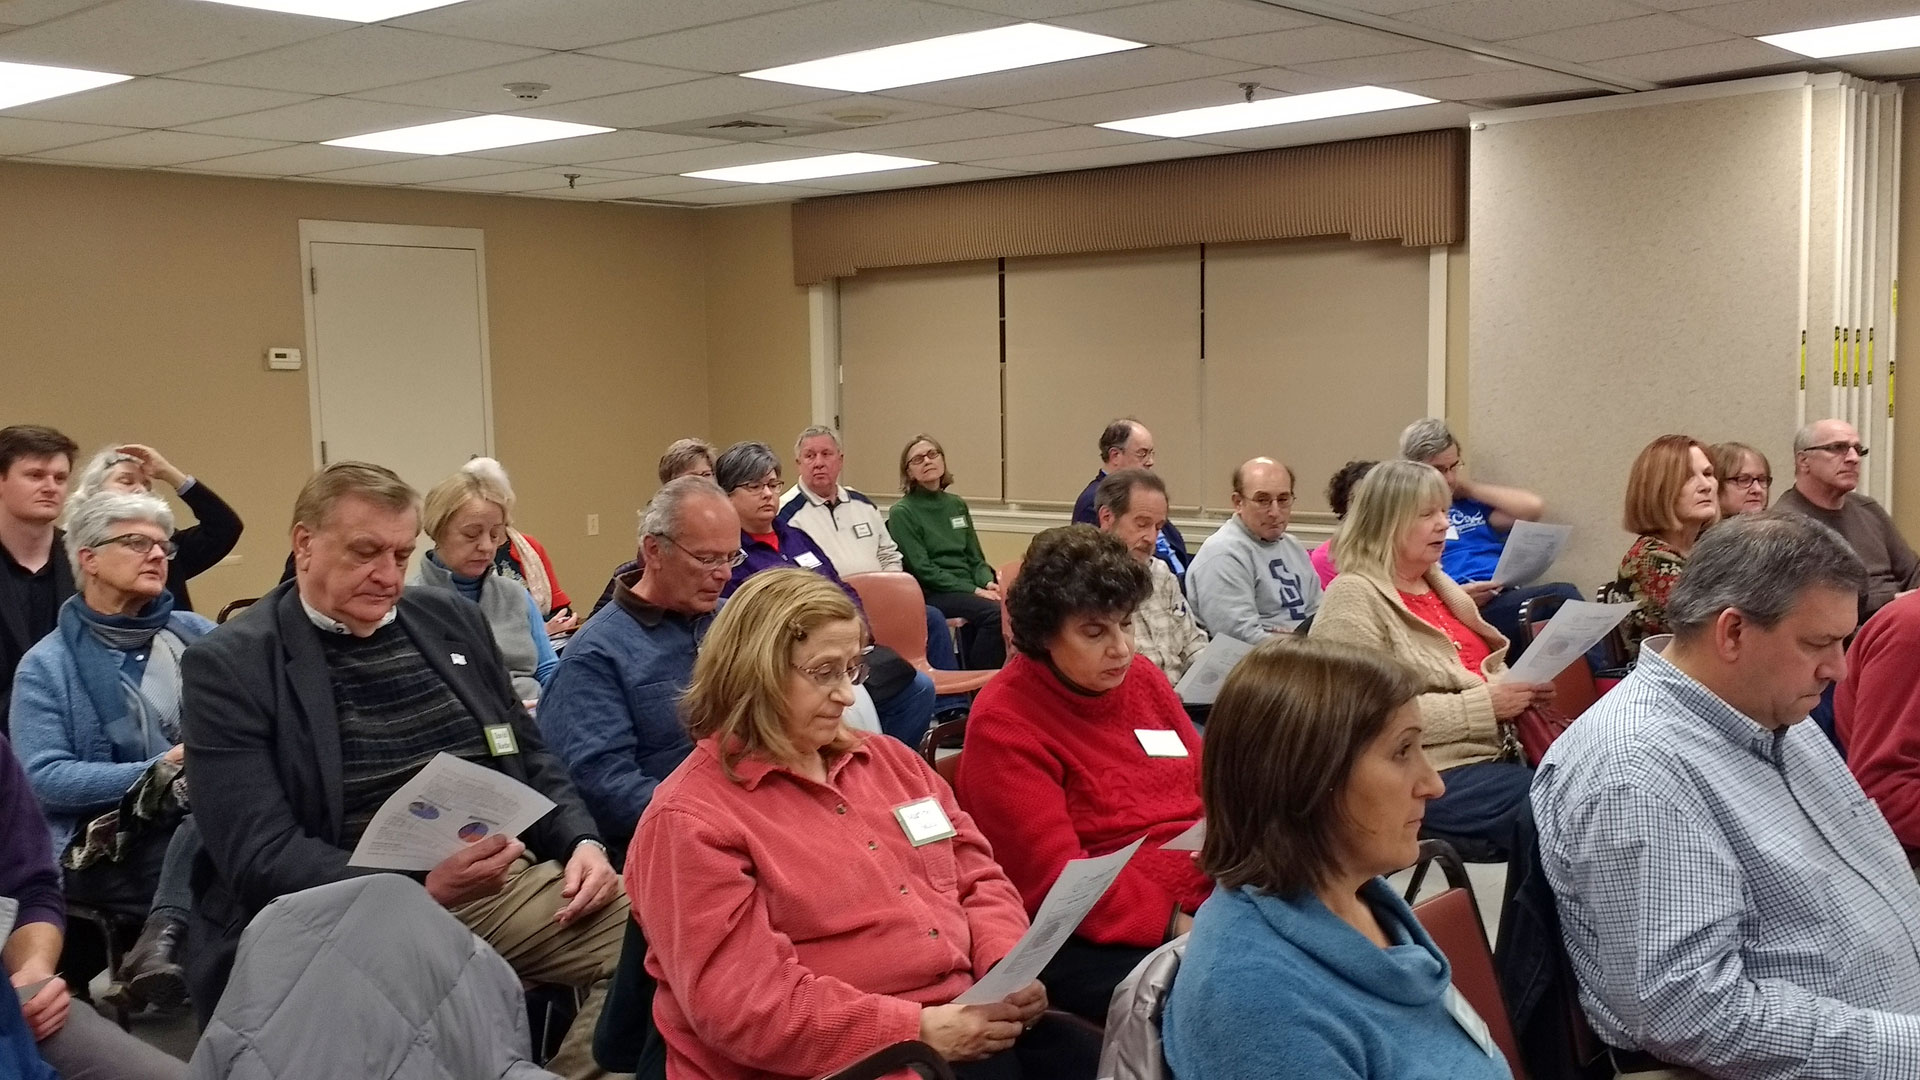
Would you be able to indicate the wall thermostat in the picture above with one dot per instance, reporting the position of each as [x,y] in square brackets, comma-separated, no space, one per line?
[283,359]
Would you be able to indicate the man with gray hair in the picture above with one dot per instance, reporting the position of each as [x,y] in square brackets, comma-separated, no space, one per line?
[1730,899]
[612,709]
[1827,455]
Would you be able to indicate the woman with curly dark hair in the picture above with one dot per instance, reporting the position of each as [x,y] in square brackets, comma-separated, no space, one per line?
[1078,748]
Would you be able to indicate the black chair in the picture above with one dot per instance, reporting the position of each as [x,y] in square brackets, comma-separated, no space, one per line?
[951,733]
[918,1056]
[626,1039]
[113,929]
[236,608]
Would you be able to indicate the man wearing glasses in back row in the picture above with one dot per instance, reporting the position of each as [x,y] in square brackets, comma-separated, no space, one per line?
[1826,469]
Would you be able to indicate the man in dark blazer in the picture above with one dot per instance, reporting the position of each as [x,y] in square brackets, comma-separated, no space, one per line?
[303,716]
[35,576]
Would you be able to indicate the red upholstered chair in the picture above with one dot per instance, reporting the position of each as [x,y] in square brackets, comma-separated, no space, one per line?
[897,611]
[1452,919]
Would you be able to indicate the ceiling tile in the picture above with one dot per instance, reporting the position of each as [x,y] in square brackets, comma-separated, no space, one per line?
[786,37]
[1677,5]
[1399,67]
[1157,150]
[147,37]
[293,160]
[320,119]
[1497,83]
[28,136]
[744,193]
[27,12]
[1050,141]
[531,180]
[1073,78]
[1442,114]
[1040,9]
[420,170]
[1387,7]
[1754,17]
[719,96]
[158,148]
[718,157]
[895,110]
[646,187]
[1173,97]
[1175,22]
[1497,20]
[1700,61]
[570,76]
[578,24]
[358,59]
[932,174]
[962,125]
[154,103]
[1288,47]
[595,148]
[1623,37]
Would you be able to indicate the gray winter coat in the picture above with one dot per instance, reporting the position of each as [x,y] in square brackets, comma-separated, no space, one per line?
[366,978]
[1131,1049]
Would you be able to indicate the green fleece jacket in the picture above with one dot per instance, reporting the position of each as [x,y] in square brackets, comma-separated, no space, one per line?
[934,531]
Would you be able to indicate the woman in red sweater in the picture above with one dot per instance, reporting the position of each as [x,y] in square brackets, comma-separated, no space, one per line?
[1078,748]
[809,894]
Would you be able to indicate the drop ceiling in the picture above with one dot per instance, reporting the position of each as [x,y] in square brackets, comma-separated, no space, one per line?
[236,91]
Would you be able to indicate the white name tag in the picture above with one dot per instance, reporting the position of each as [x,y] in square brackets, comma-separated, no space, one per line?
[924,821]
[1469,1021]
[862,530]
[959,523]
[1453,532]
[1160,743]
[808,559]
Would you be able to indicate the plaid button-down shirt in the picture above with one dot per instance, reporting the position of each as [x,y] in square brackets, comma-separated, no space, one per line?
[1730,899]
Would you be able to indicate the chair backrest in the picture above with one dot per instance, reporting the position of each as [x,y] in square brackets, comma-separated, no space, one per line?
[1452,919]
[236,608]
[897,611]
[1006,572]
[918,1056]
[1576,685]
[954,733]
[1132,1049]
[626,1039]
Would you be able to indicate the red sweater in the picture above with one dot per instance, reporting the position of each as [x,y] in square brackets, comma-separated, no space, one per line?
[1877,715]
[1051,775]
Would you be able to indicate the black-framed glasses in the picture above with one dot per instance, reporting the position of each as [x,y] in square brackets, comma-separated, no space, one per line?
[712,561]
[770,485]
[1749,480]
[923,457]
[827,676]
[1840,448]
[141,544]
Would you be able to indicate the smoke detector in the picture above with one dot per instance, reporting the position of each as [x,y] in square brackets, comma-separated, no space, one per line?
[526,91]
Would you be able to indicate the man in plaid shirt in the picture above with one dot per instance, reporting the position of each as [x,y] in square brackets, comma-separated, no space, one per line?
[1731,900]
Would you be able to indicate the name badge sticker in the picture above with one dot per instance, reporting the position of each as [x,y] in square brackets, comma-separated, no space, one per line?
[1160,743]
[959,522]
[808,559]
[1469,1021]
[1453,532]
[924,822]
[500,740]
[862,530]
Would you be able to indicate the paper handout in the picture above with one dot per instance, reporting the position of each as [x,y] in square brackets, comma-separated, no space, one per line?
[448,804]
[1080,885]
[1201,684]
[1530,551]
[1576,627]
[1189,840]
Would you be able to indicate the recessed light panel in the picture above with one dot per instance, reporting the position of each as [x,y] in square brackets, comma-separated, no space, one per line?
[812,168]
[1880,35]
[1268,112]
[468,135]
[361,11]
[952,57]
[21,83]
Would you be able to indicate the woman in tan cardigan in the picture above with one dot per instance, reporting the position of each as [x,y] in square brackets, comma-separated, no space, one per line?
[1391,595]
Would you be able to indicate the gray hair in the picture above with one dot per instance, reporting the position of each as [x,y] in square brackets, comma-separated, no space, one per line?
[743,463]
[664,512]
[1760,564]
[1808,437]
[1426,439]
[814,432]
[93,520]
[94,476]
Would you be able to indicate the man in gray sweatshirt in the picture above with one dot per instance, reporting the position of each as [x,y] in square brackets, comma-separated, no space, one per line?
[1250,578]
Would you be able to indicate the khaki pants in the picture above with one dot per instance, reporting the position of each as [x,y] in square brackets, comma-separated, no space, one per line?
[518,922]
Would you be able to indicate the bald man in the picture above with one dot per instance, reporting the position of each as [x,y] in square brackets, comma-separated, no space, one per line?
[1826,469]
[1250,579]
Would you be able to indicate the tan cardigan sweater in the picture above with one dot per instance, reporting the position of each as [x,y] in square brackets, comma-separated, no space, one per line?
[1456,709]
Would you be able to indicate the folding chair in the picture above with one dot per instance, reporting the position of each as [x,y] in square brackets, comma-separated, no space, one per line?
[952,732]
[1452,919]
[897,611]
[918,1056]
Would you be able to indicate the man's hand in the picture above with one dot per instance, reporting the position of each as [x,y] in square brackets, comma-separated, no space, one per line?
[970,1032]
[46,1010]
[590,883]
[151,463]
[476,871]
[1481,591]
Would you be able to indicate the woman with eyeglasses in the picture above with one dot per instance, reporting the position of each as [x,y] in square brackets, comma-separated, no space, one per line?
[934,531]
[132,468]
[466,518]
[1672,495]
[1745,478]
[96,712]
[811,894]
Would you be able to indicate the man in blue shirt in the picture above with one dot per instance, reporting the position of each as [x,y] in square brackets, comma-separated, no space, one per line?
[1127,444]
[1481,516]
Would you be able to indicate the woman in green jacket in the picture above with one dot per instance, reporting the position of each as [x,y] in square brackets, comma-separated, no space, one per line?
[934,531]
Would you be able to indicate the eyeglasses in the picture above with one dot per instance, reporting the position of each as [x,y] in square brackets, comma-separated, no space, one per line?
[828,676]
[141,544]
[716,561]
[1747,480]
[924,456]
[770,485]
[1840,448]
[1142,455]
[1264,501]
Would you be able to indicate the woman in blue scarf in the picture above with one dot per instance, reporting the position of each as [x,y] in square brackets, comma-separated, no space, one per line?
[96,710]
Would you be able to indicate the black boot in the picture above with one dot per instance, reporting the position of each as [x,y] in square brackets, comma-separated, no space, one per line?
[151,970]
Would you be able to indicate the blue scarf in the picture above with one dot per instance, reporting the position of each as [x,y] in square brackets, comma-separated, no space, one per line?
[98,644]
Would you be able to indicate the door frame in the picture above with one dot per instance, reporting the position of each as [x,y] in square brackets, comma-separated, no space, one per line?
[382,235]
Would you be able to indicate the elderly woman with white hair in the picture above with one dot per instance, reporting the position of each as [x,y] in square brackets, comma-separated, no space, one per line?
[131,468]
[96,713]
[466,518]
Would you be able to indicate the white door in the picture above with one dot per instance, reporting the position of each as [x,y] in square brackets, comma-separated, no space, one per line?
[399,369]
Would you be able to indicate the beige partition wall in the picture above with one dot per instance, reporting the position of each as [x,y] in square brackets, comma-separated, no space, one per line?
[1648,265]
[1316,354]
[920,352]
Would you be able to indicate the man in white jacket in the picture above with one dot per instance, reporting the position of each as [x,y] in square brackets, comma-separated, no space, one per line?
[1250,578]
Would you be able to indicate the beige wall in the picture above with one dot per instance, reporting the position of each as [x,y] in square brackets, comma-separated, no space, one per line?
[139,305]
[758,347]
[1906,424]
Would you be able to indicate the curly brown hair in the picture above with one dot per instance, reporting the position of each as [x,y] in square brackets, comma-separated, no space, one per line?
[1071,570]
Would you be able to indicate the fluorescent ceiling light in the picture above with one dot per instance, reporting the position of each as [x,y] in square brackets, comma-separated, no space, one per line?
[21,83]
[952,57]
[810,168]
[361,11]
[1269,111]
[468,135]
[1881,35]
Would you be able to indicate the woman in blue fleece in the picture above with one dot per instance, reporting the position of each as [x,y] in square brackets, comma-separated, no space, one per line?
[1304,963]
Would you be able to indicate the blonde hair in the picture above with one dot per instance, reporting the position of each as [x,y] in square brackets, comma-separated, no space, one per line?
[483,479]
[1385,505]
[739,688]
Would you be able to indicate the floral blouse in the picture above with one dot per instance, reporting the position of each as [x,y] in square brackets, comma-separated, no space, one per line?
[1647,575]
